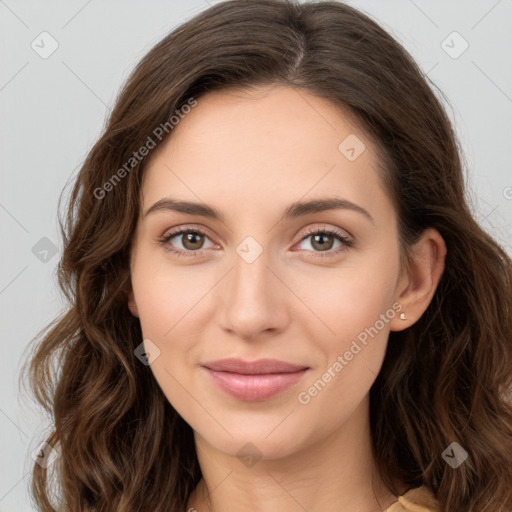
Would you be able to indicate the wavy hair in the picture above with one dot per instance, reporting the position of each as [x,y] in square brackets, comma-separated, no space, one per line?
[122,445]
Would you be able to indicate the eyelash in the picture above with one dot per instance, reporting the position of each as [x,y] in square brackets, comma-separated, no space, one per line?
[346,242]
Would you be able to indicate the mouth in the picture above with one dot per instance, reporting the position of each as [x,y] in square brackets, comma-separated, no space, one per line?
[254,380]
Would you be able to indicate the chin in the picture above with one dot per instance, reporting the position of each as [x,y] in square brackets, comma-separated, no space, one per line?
[268,438]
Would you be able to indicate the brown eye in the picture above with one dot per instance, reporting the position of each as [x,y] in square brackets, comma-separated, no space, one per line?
[192,240]
[186,242]
[322,242]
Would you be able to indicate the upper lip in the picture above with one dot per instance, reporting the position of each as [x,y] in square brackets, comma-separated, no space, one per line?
[258,367]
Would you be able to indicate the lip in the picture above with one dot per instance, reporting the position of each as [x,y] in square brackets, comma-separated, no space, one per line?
[258,367]
[254,380]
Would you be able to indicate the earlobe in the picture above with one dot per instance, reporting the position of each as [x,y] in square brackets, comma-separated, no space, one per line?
[426,268]
[132,306]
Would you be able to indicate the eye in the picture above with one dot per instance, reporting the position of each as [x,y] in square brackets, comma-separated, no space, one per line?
[322,241]
[192,242]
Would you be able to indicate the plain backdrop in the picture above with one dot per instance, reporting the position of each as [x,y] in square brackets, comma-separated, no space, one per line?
[53,107]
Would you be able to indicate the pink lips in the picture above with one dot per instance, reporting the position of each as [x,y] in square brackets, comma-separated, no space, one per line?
[254,380]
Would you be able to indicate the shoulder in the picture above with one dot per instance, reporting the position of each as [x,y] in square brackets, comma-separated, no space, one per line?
[419,499]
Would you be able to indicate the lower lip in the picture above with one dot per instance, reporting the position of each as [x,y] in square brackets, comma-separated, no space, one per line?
[254,388]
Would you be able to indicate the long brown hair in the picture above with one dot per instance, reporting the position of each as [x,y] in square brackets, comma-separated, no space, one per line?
[122,445]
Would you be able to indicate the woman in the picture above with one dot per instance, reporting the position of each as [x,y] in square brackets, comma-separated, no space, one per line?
[342,346]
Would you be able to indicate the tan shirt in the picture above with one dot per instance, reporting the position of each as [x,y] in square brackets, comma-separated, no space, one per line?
[419,499]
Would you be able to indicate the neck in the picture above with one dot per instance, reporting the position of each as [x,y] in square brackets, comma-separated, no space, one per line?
[335,473]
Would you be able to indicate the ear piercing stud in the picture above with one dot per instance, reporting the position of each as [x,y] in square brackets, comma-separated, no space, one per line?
[402,316]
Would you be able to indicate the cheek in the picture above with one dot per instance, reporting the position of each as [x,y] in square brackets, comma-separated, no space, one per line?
[348,299]
[356,304]
[167,320]
[350,365]
[171,304]
[168,297]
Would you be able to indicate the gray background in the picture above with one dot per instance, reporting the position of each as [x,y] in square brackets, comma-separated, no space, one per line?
[53,109]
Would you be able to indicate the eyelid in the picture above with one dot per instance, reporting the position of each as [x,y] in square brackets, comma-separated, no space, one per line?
[309,231]
[181,230]
[322,227]
[187,227]
[346,241]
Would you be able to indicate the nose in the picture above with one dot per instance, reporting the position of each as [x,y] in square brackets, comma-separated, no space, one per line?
[252,300]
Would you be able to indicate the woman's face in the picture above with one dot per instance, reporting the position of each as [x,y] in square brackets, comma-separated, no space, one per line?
[256,282]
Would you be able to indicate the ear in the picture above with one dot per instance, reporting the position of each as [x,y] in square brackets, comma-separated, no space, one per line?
[132,305]
[418,284]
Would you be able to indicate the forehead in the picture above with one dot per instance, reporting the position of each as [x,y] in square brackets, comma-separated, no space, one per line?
[275,116]
[263,143]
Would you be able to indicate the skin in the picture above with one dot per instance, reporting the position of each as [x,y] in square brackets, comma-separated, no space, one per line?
[250,154]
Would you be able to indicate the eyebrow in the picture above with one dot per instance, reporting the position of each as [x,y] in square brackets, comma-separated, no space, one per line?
[294,210]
